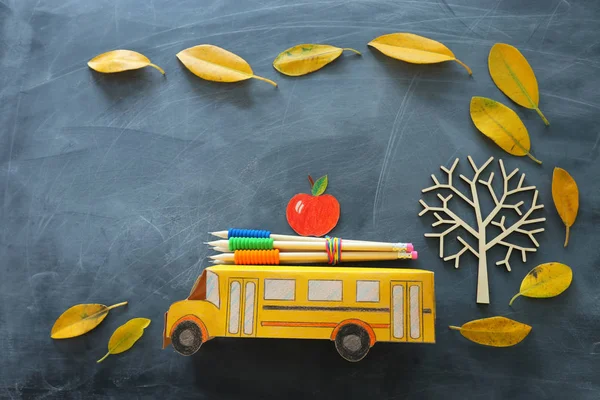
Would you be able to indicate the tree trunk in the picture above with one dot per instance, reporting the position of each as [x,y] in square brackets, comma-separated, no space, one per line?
[483,289]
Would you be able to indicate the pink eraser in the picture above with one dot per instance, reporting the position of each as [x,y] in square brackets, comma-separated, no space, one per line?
[415,255]
[409,247]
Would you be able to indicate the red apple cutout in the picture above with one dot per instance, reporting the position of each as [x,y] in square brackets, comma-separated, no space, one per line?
[316,214]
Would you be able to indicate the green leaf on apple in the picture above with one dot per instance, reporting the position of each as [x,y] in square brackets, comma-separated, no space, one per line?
[319,186]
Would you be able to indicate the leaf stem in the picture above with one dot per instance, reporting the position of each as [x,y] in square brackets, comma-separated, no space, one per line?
[454,328]
[162,71]
[513,299]
[103,358]
[533,158]
[349,49]
[312,181]
[567,236]
[464,65]
[260,78]
[117,305]
[537,109]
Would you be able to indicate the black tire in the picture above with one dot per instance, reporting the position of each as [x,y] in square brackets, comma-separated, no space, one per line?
[352,342]
[187,338]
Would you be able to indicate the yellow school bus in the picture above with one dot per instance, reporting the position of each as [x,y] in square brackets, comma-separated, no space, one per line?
[354,307]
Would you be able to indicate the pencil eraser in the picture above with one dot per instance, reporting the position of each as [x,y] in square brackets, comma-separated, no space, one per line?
[409,247]
[415,255]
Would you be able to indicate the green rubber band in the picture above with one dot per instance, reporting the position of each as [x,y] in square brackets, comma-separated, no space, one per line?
[245,243]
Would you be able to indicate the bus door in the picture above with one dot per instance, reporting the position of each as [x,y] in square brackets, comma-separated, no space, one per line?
[407,311]
[242,307]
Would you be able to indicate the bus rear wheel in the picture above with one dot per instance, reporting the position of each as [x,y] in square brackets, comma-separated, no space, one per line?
[187,338]
[352,342]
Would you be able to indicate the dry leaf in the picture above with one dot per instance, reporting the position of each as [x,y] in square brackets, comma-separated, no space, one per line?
[125,336]
[545,280]
[306,58]
[216,64]
[119,61]
[502,125]
[495,331]
[414,49]
[566,198]
[80,319]
[513,75]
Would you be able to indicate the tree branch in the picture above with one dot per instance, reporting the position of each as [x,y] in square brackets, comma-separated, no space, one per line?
[500,204]
[455,218]
[448,185]
[512,247]
[456,257]
[523,221]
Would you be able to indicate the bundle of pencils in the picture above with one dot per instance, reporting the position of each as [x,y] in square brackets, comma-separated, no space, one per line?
[254,247]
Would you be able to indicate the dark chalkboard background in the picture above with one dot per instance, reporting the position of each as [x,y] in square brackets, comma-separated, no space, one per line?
[110,183]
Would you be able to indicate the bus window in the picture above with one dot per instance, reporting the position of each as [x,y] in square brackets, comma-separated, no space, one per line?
[398,307]
[415,319]
[324,290]
[249,308]
[212,288]
[367,291]
[280,289]
[234,307]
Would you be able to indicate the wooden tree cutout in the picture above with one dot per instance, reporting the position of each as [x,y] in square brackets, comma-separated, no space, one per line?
[479,232]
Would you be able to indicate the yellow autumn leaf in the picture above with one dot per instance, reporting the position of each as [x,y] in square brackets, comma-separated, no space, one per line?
[414,49]
[80,319]
[545,280]
[125,336]
[502,125]
[306,58]
[216,64]
[494,331]
[566,198]
[513,75]
[119,61]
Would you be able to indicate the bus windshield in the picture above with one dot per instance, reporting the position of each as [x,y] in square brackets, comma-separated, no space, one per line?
[206,288]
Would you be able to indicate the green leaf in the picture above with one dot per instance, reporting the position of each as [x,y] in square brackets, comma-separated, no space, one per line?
[319,186]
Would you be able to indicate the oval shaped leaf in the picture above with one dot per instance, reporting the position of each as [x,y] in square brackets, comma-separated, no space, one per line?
[566,198]
[306,58]
[320,186]
[502,125]
[513,75]
[545,280]
[80,319]
[494,331]
[119,61]
[414,49]
[216,64]
[125,336]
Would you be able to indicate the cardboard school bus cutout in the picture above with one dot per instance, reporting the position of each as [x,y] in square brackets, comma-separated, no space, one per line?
[354,307]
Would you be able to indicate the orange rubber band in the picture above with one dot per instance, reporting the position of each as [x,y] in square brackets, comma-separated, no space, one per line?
[256,257]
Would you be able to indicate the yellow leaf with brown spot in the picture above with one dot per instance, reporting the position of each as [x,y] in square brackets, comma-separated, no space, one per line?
[494,331]
[545,280]
[119,61]
[125,336]
[502,125]
[80,319]
[511,72]
[306,58]
[216,64]
[414,49]
[566,198]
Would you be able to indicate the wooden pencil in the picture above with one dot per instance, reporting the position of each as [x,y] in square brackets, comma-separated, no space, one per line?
[294,238]
[347,245]
[322,257]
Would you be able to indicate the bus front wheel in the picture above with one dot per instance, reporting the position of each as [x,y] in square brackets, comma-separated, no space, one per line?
[187,338]
[352,342]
